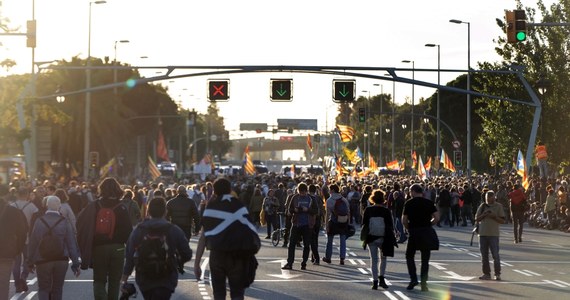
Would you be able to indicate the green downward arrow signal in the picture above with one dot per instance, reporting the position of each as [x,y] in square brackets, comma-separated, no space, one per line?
[281,91]
[344,92]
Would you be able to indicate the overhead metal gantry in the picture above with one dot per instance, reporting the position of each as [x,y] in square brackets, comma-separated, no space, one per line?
[345,71]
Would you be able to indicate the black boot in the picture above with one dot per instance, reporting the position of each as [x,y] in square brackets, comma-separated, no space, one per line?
[383,282]
[375,284]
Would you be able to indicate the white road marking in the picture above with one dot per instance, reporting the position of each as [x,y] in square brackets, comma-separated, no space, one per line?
[17,296]
[536,241]
[33,281]
[556,245]
[439,266]
[30,295]
[505,264]
[555,283]
[401,294]
[522,272]
[474,254]
[352,261]
[363,271]
[353,254]
[389,295]
[360,261]
[562,282]
[533,273]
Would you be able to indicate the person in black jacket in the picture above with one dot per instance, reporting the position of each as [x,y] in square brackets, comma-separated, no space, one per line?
[178,247]
[104,253]
[13,233]
[182,212]
[378,234]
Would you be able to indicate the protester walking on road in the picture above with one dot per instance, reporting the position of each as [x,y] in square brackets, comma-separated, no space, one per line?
[157,250]
[52,245]
[419,216]
[378,234]
[183,212]
[338,217]
[490,215]
[518,206]
[20,270]
[103,229]
[13,234]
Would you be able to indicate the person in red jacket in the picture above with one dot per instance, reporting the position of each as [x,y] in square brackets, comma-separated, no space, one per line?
[517,200]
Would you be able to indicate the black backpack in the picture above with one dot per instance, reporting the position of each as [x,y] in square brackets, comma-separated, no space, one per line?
[153,257]
[51,246]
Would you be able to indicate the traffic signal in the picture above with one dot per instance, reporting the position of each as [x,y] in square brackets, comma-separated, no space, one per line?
[362,115]
[31,34]
[93,159]
[516,25]
[218,90]
[457,158]
[520,25]
[281,89]
[191,118]
[317,138]
[343,90]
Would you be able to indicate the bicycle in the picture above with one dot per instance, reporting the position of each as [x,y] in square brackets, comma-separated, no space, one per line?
[279,233]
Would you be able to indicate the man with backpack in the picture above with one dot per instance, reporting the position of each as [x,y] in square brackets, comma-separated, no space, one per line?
[338,217]
[302,209]
[20,270]
[103,228]
[157,250]
[52,245]
[13,234]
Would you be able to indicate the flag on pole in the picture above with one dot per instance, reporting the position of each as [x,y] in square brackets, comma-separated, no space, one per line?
[422,170]
[309,143]
[292,171]
[73,172]
[427,165]
[414,159]
[393,165]
[371,163]
[161,151]
[107,168]
[153,169]
[346,133]
[446,161]
[521,170]
[248,163]
[403,165]
[353,156]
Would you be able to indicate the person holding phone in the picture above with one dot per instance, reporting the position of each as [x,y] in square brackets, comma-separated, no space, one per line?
[490,216]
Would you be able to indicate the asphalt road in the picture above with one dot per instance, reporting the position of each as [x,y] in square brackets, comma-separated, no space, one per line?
[537,268]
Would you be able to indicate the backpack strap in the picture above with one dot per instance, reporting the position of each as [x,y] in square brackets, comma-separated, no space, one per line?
[54,225]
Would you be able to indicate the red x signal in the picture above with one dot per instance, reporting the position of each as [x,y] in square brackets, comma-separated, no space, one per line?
[218,90]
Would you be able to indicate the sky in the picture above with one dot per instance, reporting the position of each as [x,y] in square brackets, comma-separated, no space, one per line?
[371,33]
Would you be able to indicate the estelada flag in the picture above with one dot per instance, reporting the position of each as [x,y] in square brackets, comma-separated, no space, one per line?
[309,142]
[422,170]
[346,133]
[427,166]
[248,163]
[393,165]
[153,169]
[446,161]
[161,151]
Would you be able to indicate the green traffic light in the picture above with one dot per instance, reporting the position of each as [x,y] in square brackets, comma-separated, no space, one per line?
[521,36]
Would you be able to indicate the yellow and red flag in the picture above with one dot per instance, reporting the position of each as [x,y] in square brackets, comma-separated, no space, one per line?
[371,163]
[403,165]
[427,165]
[153,169]
[393,165]
[446,161]
[346,133]
[521,170]
[421,170]
[161,151]
[414,159]
[248,163]
[309,143]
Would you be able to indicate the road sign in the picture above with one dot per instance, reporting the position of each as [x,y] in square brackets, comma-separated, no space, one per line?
[456,144]
[219,90]
[253,126]
[343,90]
[299,124]
[281,89]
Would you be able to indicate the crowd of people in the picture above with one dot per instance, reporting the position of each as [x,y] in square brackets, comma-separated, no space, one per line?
[101,227]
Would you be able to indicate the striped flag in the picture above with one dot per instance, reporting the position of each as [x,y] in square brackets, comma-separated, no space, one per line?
[161,151]
[107,168]
[292,171]
[421,170]
[427,165]
[521,170]
[414,159]
[248,163]
[393,165]
[371,163]
[446,161]
[153,169]
[309,142]
[346,133]
[403,165]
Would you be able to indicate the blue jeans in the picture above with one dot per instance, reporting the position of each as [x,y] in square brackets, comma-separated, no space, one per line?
[543,168]
[487,243]
[51,276]
[328,251]
[374,247]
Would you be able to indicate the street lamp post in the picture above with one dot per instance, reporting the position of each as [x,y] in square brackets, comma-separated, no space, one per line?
[393,114]
[468,95]
[426,121]
[404,126]
[86,143]
[437,140]
[412,118]
[115,64]
[388,131]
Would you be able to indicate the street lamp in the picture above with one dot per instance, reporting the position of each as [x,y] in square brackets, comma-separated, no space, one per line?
[413,88]
[437,140]
[86,143]
[426,121]
[393,113]
[542,86]
[468,95]
[115,65]
[404,126]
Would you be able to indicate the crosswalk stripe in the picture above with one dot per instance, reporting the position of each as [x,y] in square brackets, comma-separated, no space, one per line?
[555,283]
[389,295]
[533,273]
[30,295]
[363,271]
[522,272]
[360,261]
[562,282]
[352,261]
[401,294]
